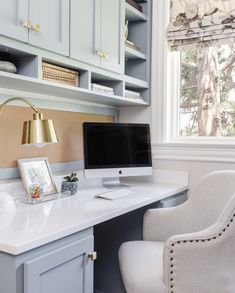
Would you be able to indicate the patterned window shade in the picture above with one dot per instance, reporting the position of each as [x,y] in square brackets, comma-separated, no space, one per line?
[201,23]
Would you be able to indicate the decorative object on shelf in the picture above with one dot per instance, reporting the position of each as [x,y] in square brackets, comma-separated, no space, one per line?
[37,178]
[38,131]
[135,5]
[6,63]
[60,74]
[8,67]
[129,43]
[102,89]
[126,31]
[70,184]
[132,45]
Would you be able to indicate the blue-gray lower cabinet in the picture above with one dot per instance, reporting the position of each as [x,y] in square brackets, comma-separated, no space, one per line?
[62,266]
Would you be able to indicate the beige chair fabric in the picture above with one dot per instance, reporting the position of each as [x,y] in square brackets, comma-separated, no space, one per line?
[193,245]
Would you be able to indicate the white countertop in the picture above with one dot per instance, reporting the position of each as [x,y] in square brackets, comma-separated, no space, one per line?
[31,226]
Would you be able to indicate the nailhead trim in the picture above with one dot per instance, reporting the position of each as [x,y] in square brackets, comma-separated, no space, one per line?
[192,241]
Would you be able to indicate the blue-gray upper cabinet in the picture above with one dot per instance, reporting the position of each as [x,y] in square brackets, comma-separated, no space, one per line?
[112,39]
[13,19]
[85,30]
[43,23]
[50,25]
[97,33]
[67,269]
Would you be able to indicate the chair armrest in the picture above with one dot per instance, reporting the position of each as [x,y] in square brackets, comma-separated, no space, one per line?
[203,261]
[161,223]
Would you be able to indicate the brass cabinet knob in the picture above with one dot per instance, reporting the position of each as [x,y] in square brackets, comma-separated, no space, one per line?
[92,255]
[27,24]
[36,28]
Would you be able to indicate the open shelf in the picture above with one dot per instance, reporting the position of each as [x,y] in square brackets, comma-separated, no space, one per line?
[26,64]
[138,51]
[46,88]
[132,14]
[135,83]
[137,94]
[131,54]
[106,81]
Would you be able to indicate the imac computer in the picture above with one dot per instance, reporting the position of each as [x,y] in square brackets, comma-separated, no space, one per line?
[114,150]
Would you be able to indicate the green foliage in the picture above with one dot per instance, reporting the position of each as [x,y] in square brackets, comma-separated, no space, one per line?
[71,178]
[189,56]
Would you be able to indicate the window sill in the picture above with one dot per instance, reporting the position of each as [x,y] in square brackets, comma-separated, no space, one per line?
[220,152]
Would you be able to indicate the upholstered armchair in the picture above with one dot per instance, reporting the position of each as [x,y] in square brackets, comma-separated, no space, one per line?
[189,248]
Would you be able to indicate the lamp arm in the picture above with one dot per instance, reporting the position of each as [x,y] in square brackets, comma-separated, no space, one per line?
[18,99]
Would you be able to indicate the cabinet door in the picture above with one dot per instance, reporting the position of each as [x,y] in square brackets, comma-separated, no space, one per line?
[52,18]
[85,30]
[112,40]
[13,14]
[64,270]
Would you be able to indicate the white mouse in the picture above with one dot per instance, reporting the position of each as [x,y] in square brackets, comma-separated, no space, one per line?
[7,203]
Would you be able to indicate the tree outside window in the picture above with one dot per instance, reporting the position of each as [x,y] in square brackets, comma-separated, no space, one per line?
[207,102]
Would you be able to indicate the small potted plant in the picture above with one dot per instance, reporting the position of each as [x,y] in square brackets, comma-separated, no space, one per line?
[70,184]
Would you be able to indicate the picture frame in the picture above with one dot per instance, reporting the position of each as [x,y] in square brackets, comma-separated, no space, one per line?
[37,171]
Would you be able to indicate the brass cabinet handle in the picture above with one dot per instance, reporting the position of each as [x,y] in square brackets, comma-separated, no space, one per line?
[105,54]
[27,24]
[93,255]
[36,28]
[102,54]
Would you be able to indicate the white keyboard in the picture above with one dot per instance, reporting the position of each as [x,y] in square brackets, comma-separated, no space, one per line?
[115,194]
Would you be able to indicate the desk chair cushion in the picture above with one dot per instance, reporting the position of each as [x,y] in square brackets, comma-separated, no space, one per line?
[141,266]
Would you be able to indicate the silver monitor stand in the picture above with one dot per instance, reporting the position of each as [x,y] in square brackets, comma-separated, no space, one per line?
[114,182]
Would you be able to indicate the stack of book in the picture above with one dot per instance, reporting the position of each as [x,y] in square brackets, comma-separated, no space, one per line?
[132,95]
[98,88]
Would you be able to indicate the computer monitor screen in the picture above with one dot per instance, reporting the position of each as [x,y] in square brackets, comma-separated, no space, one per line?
[117,149]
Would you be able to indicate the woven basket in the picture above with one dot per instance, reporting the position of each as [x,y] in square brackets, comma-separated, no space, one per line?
[60,74]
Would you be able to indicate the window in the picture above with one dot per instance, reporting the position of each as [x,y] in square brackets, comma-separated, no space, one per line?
[175,128]
[207,92]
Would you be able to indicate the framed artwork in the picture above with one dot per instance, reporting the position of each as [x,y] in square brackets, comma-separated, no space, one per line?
[37,171]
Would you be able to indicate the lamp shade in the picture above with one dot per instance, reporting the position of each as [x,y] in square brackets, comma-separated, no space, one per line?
[38,131]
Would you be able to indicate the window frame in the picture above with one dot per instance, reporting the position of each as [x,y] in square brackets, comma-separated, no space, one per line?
[165,81]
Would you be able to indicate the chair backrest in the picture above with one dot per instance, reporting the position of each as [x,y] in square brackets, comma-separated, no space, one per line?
[209,197]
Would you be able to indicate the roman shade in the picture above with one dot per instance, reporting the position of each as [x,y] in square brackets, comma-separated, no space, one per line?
[201,23]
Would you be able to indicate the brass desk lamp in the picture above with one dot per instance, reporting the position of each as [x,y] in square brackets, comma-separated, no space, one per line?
[38,131]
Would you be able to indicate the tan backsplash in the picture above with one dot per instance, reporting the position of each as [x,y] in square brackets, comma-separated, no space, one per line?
[68,126]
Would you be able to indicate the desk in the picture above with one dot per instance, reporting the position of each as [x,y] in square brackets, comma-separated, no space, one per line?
[34,231]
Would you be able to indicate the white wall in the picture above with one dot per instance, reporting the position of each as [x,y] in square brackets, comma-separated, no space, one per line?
[196,169]
[135,115]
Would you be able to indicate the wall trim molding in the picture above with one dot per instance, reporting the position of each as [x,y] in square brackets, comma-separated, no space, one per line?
[191,152]
[13,173]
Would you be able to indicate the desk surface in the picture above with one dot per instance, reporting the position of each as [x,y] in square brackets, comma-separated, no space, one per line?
[31,226]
